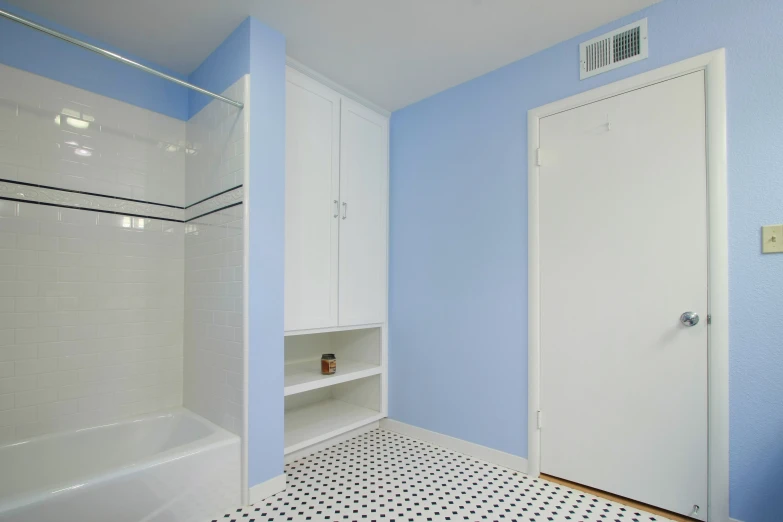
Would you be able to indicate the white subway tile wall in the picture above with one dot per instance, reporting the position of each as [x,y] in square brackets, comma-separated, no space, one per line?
[213,317]
[216,147]
[214,354]
[91,317]
[104,316]
[61,136]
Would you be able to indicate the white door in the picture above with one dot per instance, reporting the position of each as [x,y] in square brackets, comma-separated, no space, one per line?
[363,191]
[311,203]
[623,238]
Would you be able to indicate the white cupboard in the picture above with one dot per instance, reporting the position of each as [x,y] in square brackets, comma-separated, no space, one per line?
[336,209]
[312,192]
[336,242]
[364,194]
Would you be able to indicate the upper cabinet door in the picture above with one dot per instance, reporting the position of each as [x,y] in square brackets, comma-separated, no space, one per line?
[364,140]
[311,203]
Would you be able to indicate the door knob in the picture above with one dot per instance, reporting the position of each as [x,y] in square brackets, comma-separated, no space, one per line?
[689,318]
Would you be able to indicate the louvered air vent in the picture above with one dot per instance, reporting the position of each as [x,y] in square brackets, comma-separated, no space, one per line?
[612,50]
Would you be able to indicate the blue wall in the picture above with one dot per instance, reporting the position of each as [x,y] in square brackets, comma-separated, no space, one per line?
[227,64]
[458,265]
[38,53]
[267,213]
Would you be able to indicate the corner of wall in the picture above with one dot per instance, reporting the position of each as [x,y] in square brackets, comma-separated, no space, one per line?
[266,489]
[221,69]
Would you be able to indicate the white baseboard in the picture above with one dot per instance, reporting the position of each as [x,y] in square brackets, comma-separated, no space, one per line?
[266,489]
[734,520]
[471,449]
[315,448]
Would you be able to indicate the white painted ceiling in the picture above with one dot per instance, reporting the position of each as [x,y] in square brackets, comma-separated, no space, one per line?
[392,52]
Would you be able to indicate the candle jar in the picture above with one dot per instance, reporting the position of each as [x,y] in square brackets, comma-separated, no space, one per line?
[328,364]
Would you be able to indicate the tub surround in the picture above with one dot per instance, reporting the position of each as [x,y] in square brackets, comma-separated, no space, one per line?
[216,138]
[214,358]
[214,261]
[91,257]
[61,136]
[207,207]
[94,215]
[91,320]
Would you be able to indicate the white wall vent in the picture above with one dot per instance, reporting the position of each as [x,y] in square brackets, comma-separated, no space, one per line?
[614,49]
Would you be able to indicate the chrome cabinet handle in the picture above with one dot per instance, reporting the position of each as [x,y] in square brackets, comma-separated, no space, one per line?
[345,210]
[336,208]
[689,318]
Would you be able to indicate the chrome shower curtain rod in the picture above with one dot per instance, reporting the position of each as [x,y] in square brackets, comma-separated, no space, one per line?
[116,57]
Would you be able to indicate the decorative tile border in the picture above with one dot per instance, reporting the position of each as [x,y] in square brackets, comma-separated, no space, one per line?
[72,199]
[51,196]
[223,200]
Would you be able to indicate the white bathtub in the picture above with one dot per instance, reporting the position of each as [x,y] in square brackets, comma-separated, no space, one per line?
[164,467]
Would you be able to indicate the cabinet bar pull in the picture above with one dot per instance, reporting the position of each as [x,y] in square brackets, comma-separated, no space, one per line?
[345,210]
[336,209]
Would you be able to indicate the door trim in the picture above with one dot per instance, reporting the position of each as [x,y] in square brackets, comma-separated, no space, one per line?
[714,66]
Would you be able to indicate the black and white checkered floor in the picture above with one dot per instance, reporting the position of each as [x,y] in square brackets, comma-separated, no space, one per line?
[384,476]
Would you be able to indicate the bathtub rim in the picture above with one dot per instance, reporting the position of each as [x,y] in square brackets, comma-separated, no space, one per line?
[218,438]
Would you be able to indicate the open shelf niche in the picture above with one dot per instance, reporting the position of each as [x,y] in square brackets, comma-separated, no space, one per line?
[317,415]
[318,407]
[358,354]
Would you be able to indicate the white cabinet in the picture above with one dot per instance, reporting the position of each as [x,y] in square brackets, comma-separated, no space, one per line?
[336,237]
[312,192]
[336,209]
[364,193]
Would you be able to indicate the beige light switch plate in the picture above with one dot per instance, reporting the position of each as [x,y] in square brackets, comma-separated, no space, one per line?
[771,239]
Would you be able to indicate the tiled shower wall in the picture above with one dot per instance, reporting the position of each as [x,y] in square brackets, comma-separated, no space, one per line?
[57,135]
[213,317]
[91,303]
[216,136]
[91,314]
[214,355]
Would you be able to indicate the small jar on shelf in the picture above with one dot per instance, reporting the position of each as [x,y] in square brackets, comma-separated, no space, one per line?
[328,364]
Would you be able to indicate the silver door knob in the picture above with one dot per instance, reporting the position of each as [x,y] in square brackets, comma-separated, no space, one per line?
[689,318]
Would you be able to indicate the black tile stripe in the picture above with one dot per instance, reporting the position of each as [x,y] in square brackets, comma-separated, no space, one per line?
[213,211]
[59,205]
[4,198]
[38,185]
[212,196]
[89,209]
[89,193]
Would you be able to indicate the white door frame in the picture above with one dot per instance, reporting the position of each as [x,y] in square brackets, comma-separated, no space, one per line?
[714,66]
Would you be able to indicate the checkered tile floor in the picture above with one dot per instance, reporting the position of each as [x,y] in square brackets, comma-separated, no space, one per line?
[384,476]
